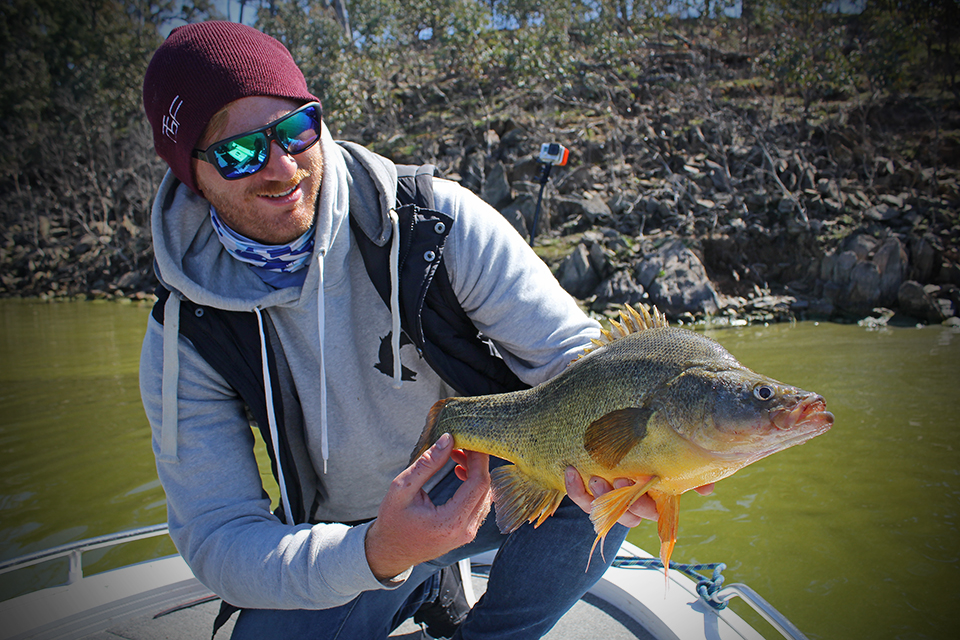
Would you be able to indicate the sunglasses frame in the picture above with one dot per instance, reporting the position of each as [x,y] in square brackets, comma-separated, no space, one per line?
[269,132]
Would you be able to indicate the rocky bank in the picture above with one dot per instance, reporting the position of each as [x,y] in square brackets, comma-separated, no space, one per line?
[691,186]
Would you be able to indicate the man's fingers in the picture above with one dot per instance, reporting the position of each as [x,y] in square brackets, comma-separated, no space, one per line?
[644,508]
[600,486]
[466,510]
[412,479]
[409,529]
[576,490]
[474,469]
[477,466]
[459,457]
[478,470]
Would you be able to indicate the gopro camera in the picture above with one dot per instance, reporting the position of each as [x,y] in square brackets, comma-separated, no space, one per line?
[554,153]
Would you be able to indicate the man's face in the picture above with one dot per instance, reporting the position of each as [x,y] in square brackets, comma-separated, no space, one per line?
[277,204]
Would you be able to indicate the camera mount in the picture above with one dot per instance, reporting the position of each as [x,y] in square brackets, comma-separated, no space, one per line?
[552,154]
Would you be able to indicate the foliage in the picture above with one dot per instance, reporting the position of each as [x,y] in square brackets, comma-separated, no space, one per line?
[909,40]
[309,29]
[886,44]
[79,152]
[79,159]
[812,63]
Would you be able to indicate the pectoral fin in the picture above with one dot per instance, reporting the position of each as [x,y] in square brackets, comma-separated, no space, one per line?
[611,436]
[520,498]
[608,508]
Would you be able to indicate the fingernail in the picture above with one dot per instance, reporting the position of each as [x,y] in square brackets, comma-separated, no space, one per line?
[444,441]
[571,474]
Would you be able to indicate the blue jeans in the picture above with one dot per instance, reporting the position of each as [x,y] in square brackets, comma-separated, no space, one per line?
[537,575]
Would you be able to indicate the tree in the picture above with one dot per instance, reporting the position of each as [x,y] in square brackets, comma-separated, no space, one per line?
[80,157]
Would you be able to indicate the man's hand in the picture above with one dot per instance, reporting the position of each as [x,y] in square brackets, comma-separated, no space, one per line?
[644,508]
[410,529]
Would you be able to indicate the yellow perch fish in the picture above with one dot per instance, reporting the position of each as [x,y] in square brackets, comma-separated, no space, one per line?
[665,407]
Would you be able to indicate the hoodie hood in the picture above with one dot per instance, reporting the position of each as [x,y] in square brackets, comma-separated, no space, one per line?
[191,261]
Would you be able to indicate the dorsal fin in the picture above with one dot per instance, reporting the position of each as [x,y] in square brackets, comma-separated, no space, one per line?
[631,321]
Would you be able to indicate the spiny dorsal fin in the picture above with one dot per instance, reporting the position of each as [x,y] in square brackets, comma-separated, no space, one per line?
[631,321]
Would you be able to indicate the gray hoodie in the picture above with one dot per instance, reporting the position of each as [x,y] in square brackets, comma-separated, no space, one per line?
[359,425]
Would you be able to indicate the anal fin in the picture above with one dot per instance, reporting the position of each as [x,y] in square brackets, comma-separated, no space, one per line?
[668,510]
[520,498]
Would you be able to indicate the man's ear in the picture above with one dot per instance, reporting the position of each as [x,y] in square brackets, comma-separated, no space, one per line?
[194,163]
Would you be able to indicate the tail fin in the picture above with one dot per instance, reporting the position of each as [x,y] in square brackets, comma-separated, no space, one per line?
[430,433]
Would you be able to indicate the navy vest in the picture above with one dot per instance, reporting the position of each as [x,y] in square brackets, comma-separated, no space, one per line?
[430,314]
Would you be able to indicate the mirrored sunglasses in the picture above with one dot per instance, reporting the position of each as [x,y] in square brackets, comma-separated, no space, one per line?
[247,153]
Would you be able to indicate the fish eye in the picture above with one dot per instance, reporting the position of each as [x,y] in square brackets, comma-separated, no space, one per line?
[763,392]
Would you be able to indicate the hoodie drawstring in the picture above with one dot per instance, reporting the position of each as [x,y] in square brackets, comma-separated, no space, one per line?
[272,418]
[395,298]
[170,380]
[171,367]
[395,331]
[321,329]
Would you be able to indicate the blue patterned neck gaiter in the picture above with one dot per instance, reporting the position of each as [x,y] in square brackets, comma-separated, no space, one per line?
[279,258]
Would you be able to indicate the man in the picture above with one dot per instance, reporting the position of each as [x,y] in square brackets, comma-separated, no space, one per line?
[262,230]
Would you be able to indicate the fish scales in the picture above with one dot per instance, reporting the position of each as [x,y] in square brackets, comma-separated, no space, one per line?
[667,408]
[536,425]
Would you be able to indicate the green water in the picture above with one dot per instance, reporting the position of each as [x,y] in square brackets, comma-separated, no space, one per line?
[852,535]
[74,442]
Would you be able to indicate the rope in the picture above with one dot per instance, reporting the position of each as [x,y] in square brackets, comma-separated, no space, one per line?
[706,587]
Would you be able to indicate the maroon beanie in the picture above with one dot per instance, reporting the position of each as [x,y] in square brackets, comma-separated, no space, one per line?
[202,67]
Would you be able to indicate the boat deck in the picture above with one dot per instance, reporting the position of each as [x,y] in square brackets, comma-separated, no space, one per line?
[589,618]
[162,600]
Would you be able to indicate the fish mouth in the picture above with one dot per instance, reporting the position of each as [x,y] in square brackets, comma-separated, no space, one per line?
[809,416]
[795,425]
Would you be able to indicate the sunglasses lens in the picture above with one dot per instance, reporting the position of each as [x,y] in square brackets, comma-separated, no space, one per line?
[299,131]
[247,154]
[242,156]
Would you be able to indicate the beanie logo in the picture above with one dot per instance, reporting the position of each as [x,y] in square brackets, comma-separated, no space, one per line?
[170,123]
